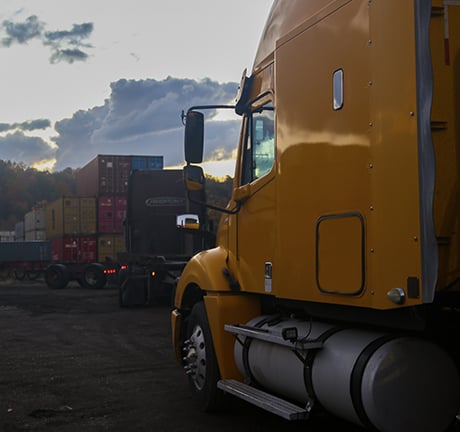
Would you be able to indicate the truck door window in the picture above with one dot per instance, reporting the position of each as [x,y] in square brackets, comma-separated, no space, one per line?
[259,152]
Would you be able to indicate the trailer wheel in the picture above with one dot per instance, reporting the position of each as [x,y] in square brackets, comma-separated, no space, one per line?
[94,276]
[20,274]
[5,273]
[33,274]
[57,276]
[200,360]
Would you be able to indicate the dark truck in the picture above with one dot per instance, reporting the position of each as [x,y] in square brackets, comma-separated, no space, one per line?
[163,229]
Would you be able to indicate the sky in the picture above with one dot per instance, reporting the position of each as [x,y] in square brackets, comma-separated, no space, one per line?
[88,77]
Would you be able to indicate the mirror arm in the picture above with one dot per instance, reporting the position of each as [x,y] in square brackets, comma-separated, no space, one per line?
[212,207]
[209,107]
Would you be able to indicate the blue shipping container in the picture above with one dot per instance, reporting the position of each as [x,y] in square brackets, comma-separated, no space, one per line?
[25,251]
[147,162]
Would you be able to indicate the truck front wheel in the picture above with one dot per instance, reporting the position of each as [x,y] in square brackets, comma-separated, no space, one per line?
[200,360]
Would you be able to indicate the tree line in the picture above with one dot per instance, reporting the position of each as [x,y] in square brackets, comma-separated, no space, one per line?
[23,187]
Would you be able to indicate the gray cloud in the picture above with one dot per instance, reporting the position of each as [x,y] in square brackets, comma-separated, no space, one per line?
[140,117]
[21,33]
[143,117]
[26,126]
[34,124]
[68,55]
[20,148]
[65,45]
[74,36]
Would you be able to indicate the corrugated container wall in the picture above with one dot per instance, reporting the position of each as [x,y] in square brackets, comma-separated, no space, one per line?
[146,162]
[71,216]
[109,246]
[109,174]
[111,214]
[75,249]
[7,236]
[35,235]
[25,251]
[35,220]
[19,232]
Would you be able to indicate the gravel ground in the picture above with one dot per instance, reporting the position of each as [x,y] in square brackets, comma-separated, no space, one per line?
[73,360]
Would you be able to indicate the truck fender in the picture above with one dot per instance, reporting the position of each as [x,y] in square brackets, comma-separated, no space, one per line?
[204,277]
[204,270]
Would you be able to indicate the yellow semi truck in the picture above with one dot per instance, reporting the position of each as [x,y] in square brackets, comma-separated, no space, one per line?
[335,281]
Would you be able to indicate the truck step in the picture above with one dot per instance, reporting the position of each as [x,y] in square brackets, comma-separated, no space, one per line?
[263,400]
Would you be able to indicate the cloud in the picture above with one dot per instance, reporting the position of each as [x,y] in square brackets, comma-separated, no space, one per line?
[66,45]
[30,125]
[34,124]
[74,36]
[68,55]
[140,117]
[144,117]
[21,33]
[21,148]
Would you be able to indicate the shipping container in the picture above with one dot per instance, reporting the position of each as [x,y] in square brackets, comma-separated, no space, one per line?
[82,249]
[109,246]
[71,216]
[25,251]
[146,162]
[35,235]
[7,236]
[109,174]
[111,214]
[19,233]
[35,220]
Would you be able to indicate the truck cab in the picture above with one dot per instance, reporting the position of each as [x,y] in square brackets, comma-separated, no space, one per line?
[337,260]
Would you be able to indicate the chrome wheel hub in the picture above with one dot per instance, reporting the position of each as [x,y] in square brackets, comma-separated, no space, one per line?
[195,357]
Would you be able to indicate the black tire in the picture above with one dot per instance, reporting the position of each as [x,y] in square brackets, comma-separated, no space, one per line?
[57,276]
[20,274]
[94,276]
[200,361]
[33,274]
[123,275]
[5,273]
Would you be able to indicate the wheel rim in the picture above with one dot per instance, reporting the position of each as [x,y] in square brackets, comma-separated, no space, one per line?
[91,278]
[195,358]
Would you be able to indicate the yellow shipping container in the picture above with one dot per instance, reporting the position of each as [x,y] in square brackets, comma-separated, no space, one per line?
[109,245]
[71,216]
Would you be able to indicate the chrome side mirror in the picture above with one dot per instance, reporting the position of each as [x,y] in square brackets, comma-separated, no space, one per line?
[188,221]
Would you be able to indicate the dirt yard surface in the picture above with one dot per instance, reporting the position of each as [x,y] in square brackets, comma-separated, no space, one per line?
[73,360]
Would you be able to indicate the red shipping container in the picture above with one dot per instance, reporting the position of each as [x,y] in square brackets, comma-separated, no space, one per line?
[104,175]
[75,249]
[111,214]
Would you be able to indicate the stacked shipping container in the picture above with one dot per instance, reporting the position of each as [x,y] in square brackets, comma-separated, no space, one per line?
[88,227]
[19,233]
[106,178]
[35,225]
[108,175]
[71,227]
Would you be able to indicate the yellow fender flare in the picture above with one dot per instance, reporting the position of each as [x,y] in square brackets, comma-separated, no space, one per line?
[223,306]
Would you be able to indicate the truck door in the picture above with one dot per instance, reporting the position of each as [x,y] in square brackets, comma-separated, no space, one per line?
[255,222]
